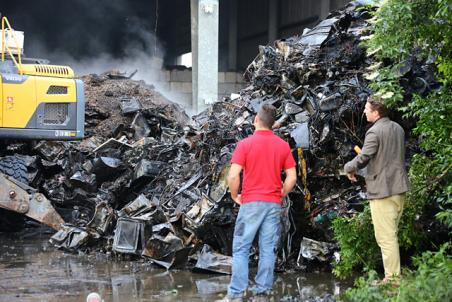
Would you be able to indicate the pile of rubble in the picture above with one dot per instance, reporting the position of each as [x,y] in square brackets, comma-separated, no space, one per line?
[150,182]
[112,99]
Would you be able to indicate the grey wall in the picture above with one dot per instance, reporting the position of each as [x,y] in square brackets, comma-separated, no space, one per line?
[90,28]
[292,17]
[243,26]
[251,19]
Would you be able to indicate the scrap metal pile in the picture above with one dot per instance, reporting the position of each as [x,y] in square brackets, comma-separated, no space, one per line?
[148,181]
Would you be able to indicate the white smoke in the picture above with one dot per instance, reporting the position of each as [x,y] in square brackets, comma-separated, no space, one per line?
[134,47]
[138,59]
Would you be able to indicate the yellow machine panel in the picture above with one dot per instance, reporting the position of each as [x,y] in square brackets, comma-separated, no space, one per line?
[55,90]
[18,100]
[54,71]
[37,101]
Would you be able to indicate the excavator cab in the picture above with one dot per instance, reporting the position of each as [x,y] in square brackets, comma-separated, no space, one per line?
[38,101]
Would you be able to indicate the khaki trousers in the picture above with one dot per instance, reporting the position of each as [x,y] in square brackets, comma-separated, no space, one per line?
[386,213]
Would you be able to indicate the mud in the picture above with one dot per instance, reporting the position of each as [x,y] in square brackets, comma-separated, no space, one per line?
[32,270]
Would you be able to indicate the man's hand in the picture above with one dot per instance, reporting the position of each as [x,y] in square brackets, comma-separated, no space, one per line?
[234,182]
[352,177]
[283,194]
[289,182]
[237,199]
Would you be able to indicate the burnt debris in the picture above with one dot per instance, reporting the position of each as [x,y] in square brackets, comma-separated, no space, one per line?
[148,181]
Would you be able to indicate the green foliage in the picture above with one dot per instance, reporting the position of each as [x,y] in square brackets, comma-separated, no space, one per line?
[366,291]
[430,171]
[385,83]
[395,43]
[434,123]
[432,279]
[431,181]
[388,40]
[427,27]
[400,29]
[400,26]
[429,282]
[410,237]
[435,33]
[356,240]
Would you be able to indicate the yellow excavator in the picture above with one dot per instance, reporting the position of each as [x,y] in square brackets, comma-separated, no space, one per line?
[37,102]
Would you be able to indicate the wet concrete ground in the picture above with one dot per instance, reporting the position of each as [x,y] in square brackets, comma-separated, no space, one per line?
[33,270]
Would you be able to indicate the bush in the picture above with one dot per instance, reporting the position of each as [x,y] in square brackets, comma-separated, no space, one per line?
[427,34]
[356,240]
[357,243]
[429,282]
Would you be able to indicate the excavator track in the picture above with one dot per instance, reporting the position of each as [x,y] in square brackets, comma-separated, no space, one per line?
[14,167]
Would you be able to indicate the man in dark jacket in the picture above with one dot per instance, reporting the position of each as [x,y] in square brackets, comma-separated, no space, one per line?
[262,157]
[383,154]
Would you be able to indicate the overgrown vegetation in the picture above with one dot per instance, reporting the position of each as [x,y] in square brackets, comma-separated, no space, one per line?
[429,282]
[355,234]
[404,31]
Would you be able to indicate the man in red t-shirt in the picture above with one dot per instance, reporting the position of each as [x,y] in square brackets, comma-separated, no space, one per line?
[262,157]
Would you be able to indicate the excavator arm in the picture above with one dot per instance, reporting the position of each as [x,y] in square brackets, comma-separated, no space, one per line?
[18,197]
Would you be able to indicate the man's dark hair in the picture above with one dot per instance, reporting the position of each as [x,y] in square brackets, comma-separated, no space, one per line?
[377,105]
[267,114]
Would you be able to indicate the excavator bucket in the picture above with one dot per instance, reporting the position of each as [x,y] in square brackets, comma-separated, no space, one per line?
[18,197]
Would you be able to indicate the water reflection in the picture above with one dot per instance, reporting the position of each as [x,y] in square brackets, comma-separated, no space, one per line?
[212,285]
[32,270]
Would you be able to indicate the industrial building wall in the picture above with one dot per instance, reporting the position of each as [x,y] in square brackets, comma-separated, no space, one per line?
[252,30]
[252,26]
[297,15]
[114,28]
[292,15]
[177,84]
[252,17]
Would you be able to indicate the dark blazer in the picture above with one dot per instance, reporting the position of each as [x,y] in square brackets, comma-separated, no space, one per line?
[384,155]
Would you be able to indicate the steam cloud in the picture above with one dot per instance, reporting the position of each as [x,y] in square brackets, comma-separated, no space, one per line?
[91,36]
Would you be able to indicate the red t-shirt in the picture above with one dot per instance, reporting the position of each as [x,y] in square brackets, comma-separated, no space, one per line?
[263,156]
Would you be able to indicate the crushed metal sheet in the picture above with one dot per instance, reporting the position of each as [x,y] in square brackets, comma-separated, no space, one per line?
[175,259]
[103,218]
[320,33]
[212,261]
[130,236]
[311,249]
[130,105]
[113,143]
[301,136]
[70,238]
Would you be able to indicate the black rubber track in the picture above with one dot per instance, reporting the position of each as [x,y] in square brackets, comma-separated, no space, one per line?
[14,167]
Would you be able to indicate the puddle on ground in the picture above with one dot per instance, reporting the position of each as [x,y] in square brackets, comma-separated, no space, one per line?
[33,270]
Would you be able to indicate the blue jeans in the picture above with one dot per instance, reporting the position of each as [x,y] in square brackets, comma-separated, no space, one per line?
[258,217]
